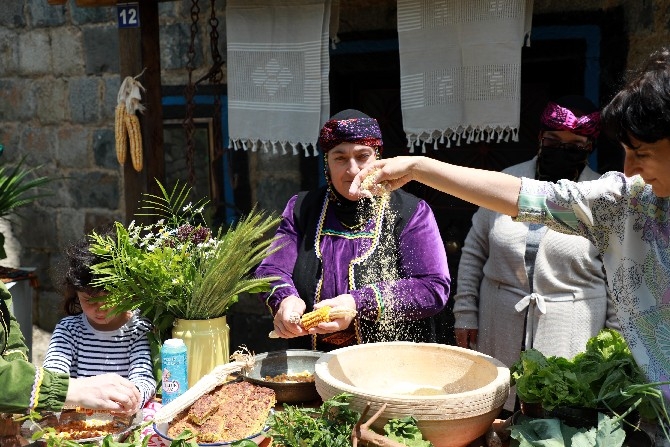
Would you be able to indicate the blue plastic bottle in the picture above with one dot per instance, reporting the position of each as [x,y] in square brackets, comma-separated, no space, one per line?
[174,362]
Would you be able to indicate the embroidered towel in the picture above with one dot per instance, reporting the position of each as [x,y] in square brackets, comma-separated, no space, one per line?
[277,73]
[460,65]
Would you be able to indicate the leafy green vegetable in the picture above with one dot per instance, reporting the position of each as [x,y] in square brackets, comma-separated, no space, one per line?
[604,376]
[553,433]
[405,430]
[331,424]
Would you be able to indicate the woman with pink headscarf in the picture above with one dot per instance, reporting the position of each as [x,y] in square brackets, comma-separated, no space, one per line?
[523,286]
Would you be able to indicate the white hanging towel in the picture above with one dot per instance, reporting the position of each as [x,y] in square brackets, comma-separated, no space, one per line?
[278,68]
[460,66]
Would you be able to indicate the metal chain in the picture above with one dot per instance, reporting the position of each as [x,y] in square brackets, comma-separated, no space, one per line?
[189,93]
[216,75]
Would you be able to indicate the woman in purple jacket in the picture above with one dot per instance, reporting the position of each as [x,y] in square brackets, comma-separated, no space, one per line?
[383,258]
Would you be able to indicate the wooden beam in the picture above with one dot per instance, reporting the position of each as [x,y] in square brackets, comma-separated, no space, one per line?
[139,50]
[153,117]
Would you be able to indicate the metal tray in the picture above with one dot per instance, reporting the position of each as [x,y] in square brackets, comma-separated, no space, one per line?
[289,361]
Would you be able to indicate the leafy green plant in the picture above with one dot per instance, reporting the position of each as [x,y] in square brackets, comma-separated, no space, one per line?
[604,376]
[328,426]
[17,188]
[406,431]
[331,425]
[178,267]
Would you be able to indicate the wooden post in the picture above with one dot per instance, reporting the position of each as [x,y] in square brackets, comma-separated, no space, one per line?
[140,50]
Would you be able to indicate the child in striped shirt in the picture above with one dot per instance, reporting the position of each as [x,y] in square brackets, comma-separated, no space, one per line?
[92,340]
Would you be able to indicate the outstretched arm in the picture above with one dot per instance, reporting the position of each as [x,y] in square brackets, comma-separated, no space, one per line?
[104,392]
[493,190]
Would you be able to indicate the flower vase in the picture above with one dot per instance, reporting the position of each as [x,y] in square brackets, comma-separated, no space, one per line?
[207,344]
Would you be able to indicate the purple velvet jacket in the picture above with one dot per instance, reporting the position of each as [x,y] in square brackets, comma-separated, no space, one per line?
[421,290]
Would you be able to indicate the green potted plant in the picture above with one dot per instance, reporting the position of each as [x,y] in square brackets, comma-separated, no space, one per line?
[17,189]
[181,275]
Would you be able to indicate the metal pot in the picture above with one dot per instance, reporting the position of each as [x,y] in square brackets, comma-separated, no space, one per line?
[289,361]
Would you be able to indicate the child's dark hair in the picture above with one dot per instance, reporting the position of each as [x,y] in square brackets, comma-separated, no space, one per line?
[78,276]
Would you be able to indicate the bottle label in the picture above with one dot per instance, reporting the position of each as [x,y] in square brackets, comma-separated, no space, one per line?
[174,376]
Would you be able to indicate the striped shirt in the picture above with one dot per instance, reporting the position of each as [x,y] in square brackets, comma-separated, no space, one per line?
[77,349]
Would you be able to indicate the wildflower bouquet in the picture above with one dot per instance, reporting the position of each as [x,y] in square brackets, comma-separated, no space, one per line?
[178,267]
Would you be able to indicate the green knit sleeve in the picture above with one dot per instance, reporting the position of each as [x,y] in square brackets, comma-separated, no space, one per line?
[25,386]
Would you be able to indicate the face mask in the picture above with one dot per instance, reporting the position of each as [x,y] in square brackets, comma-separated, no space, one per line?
[554,164]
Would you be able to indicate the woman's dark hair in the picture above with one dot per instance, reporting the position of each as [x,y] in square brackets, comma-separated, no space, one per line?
[641,110]
[78,276]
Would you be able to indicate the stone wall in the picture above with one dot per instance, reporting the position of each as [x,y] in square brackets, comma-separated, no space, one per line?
[58,83]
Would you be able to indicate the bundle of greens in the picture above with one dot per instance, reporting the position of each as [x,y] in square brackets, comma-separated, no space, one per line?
[604,376]
[331,424]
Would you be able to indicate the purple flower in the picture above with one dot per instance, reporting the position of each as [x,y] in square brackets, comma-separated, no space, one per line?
[186,233]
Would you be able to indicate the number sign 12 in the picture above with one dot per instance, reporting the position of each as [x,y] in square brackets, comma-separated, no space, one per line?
[128,15]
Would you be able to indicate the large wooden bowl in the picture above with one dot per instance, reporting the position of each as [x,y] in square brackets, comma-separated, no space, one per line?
[454,393]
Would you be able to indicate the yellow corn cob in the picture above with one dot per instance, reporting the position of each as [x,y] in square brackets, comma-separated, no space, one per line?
[133,128]
[313,318]
[324,314]
[120,134]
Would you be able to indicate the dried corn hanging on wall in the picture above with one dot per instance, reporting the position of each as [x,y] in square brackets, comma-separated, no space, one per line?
[127,124]
[132,123]
[120,134]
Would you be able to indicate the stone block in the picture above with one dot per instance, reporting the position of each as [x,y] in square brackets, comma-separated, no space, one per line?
[52,100]
[71,223]
[109,100]
[83,16]
[73,147]
[35,229]
[67,52]
[101,50]
[11,14]
[167,10]
[17,100]
[104,149]
[35,53]
[9,52]
[174,43]
[42,143]
[59,194]
[84,99]
[44,15]
[10,136]
[102,192]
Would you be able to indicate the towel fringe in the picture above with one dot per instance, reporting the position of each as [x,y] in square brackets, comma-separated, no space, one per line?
[467,135]
[273,146]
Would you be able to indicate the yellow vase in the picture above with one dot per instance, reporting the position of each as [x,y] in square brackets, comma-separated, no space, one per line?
[207,344]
